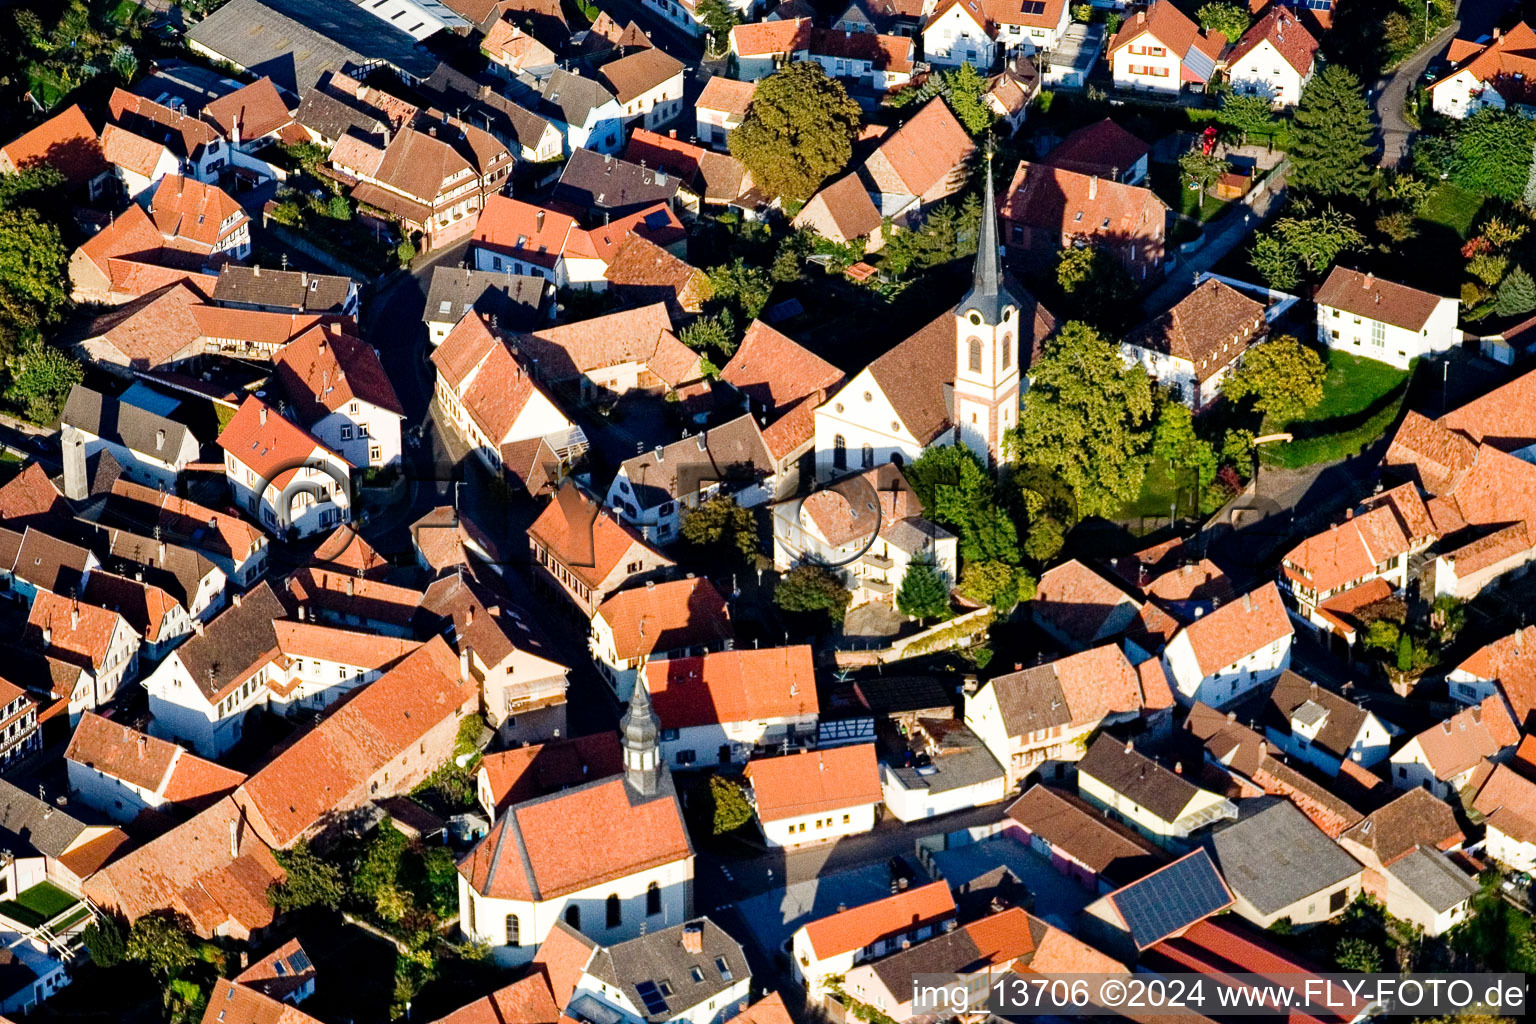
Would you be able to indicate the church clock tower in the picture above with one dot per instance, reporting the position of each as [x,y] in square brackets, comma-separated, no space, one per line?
[988,322]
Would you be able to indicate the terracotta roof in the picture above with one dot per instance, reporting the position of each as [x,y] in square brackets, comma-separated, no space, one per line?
[1508,801]
[156,330]
[656,222]
[1103,148]
[253,111]
[891,54]
[642,335]
[66,141]
[1506,62]
[575,839]
[1235,630]
[767,1010]
[848,931]
[29,495]
[1281,28]
[1412,820]
[526,1001]
[586,538]
[1502,417]
[1461,741]
[344,646]
[344,549]
[214,870]
[929,150]
[643,271]
[261,327]
[988,944]
[1348,551]
[185,135]
[821,780]
[1195,581]
[853,213]
[1080,689]
[273,447]
[1216,947]
[761,38]
[1376,298]
[732,686]
[326,769]
[183,521]
[1167,24]
[230,1003]
[142,604]
[775,371]
[122,148]
[1081,205]
[78,632]
[1210,327]
[346,594]
[666,616]
[1511,662]
[1080,603]
[1059,952]
[796,426]
[120,752]
[1081,832]
[324,369]
[526,773]
[726,95]
[189,213]
[634,76]
[500,388]
[279,973]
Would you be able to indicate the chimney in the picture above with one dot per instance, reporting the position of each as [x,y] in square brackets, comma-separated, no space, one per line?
[197,626]
[47,636]
[234,839]
[256,270]
[693,937]
[302,613]
[75,486]
[235,599]
[321,346]
[1141,17]
[1370,279]
[1248,602]
[1093,187]
[1129,746]
[469,616]
[159,440]
[464,664]
[263,415]
[351,588]
[143,745]
[74,617]
[160,550]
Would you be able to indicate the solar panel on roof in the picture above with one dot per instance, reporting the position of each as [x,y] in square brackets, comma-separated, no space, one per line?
[1033,7]
[300,962]
[654,1004]
[1170,899]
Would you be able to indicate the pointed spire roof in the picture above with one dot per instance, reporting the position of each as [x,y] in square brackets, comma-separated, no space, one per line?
[989,289]
[639,728]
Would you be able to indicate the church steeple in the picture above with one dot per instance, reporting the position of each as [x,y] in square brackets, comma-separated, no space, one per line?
[639,733]
[989,294]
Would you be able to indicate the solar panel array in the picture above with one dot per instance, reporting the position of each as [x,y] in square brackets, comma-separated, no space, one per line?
[1170,899]
[300,962]
[1033,7]
[651,997]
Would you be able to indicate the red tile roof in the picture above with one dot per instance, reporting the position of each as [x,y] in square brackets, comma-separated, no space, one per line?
[526,1001]
[1211,327]
[516,776]
[253,111]
[850,930]
[637,74]
[1103,148]
[328,769]
[28,495]
[642,335]
[123,148]
[238,1004]
[574,840]
[891,54]
[192,215]
[762,38]
[733,686]
[500,388]
[126,754]
[78,632]
[727,95]
[1508,63]
[1079,602]
[324,369]
[273,447]
[666,616]
[586,538]
[144,605]
[821,780]
[531,233]
[1457,744]
[1081,205]
[1235,630]
[66,141]
[1511,662]
[1169,26]
[775,371]
[1282,30]
[1508,801]
[277,974]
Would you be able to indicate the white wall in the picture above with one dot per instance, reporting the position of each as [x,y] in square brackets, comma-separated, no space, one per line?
[1227,684]
[862,422]
[359,428]
[1146,64]
[811,828]
[1395,346]
[956,39]
[1462,95]
[1263,72]
[917,803]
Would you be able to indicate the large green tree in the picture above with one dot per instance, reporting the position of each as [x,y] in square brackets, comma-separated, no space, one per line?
[1228,19]
[1333,152]
[42,379]
[1516,295]
[1298,249]
[159,943]
[1493,153]
[963,88]
[957,492]
[923,593]
[810,588]
[798,132]
[311,881]
[1247,113]
[1284,376]
[720,524]
[1087,420]
[1174,439]
[1204,170]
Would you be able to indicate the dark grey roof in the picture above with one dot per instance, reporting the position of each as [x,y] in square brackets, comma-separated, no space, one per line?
[29,823]
[962,760]
[194,86]
[515,300]
[572,98]
[953,952]
[649,967]
[1342,719]
[1430,875]
[602,183]
[233,641]
[177,570]
[1275,857]
[295,42]
[1171,899]
[1138,778]
[136,429]
[287,290]
[329,116]
[478,102]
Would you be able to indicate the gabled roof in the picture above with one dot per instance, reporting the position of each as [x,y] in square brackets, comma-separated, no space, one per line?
[1210,327]
[987,946]
[144,605]
[324,369]
[185,136]
[1284,31]
[1080,689]
[271,446]
[1276,857]
[853,213]
[726,687]
[148,763]
[324,771]
[71,629]
[853,929]
[1235,630]
[1508,801]
[1511,662]
[1103,148]
[28,496]
[65,141]
[136,429]
[666,616]
[526,1001]
[929,149]
[235,642]
[501,386]
[733,452]
[1080,603]
[1295,697]
[1376,298]
[642,335]
[249,112]
[891,54]
[1457,744]
[295,290]
[775,371]
[762,38]
[526,773]
[727,95]
[281,972]
[1507,62]
[1171,899]
[1415,819]
[1065,202]
[122,148]
[1085,834]
[1171,27]
[586,538]
[576,839]
[819,780]
[192,215]
[633,76]
[1139,778]
[663,956]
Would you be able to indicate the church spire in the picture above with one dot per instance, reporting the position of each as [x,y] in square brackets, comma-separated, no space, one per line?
[639,733]
[989,292]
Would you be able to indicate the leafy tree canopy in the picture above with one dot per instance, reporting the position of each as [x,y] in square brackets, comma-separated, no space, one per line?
[1230,20]
[161,944]
[1087,420]
[1297,249]
[1516,295]
[720,523]
[810,588]
[311,881]
[1493,153]
[798,132]
[1284,376]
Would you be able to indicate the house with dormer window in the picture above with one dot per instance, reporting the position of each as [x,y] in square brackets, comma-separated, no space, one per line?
[1161,50]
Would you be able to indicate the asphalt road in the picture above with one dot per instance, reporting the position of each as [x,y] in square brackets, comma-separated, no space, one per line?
[1390,96]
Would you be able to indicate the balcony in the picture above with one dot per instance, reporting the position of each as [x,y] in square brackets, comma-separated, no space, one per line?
[875,561]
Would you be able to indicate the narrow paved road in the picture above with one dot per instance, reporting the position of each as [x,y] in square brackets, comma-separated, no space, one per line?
[1391,96]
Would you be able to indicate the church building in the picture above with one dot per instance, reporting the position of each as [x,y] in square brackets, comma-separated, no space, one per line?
[956,381]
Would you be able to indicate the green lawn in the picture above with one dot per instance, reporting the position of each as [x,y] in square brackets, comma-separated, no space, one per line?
[38,904]
[1160,488]
[1361,400]
[1171,188]
[1452,207]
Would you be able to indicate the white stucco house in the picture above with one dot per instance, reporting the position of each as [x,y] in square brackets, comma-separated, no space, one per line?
[282,475]
[1392,323]
[1443,758]
[980,33]
[1161,50]
[1496,75]
[830,946]
[151,449]
[817,796]
[648,86]
[694,969]
[1275,58]
[1240,646]
[341,393]
[722,708]
[1322,728]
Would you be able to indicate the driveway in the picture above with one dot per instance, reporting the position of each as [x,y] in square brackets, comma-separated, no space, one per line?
[1391,96]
